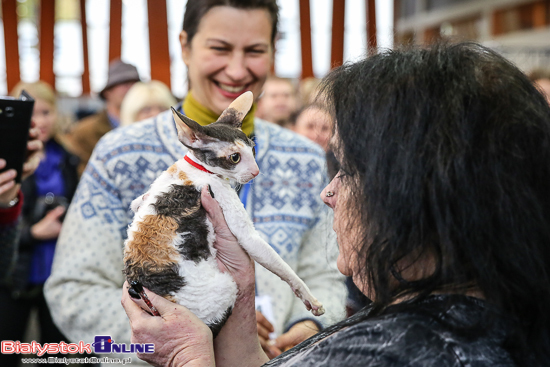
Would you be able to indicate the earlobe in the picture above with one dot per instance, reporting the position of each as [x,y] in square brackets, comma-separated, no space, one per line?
[184,47]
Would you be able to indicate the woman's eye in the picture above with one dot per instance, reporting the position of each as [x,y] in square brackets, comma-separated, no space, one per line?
[257,51]
[235,158]
[341,174]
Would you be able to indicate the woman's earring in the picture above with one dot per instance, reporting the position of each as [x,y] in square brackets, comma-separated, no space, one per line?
[329,194]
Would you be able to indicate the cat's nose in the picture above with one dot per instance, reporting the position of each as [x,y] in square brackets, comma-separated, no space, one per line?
[255,172]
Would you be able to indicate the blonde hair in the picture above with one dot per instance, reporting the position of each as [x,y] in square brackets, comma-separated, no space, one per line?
[144,94]
[39,89]
[44,91]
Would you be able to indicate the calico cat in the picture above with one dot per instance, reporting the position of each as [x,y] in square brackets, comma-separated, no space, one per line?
[170,241]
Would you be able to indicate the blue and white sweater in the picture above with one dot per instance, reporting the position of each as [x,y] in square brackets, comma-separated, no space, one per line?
[85,287]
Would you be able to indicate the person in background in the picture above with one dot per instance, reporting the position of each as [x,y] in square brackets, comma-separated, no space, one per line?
[228,48]
[144,100]
[84,134]
[541,77]
[47,193]
[315,123]
[441,209]
[278,100]
[11,204]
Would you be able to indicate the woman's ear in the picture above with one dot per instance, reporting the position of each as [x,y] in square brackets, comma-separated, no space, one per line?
[185,47]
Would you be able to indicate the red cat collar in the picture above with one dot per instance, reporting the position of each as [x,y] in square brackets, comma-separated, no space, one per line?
[196,165]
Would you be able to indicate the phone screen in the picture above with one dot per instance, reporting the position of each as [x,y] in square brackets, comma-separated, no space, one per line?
[15,121]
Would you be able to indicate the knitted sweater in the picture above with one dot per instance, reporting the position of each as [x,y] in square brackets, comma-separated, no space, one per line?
[84,289]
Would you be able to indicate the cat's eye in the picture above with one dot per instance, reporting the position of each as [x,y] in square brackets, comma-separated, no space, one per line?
[235,158]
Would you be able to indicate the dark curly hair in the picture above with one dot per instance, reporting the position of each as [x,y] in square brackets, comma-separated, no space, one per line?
[447,152]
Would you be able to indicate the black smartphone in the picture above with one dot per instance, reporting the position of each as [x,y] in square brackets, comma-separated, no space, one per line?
[15,122]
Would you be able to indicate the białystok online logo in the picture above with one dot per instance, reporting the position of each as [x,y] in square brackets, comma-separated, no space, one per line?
[102,344]
[105,344]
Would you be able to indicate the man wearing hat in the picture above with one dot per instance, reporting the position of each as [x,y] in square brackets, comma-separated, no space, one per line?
[85,134]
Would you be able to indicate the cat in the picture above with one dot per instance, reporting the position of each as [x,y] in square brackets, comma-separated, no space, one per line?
[170,249]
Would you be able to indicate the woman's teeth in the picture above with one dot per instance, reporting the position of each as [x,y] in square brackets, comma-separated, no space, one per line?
[231,89]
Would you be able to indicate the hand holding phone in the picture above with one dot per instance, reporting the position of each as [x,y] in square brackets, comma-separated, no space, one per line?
[8,187]
[15,122]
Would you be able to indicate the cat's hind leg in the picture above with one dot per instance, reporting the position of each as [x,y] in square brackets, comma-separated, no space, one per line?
[263,254]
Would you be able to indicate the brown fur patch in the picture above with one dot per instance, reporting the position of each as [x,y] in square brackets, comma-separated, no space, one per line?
[183,177]
[150,246]
[173,169]
[189,211]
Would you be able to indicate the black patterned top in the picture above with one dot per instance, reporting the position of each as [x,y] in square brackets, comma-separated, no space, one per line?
[440,331]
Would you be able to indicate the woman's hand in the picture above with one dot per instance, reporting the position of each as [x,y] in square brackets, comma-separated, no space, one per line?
[264,329]
[180,338]
[8,188]
[48,227]
[230,255]
[297,334]
[237,343]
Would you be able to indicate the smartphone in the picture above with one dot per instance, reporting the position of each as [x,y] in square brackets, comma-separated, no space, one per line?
[15,122]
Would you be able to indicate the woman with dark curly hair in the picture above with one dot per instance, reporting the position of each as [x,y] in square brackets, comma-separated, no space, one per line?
[442,214]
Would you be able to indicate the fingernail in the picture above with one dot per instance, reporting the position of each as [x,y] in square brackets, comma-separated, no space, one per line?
[136,285]
[210,191]
[132,292]
[271,342]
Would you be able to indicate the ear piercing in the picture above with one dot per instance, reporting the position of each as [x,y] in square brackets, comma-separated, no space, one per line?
[329,194]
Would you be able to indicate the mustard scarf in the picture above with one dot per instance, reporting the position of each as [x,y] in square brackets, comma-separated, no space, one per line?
[194,110]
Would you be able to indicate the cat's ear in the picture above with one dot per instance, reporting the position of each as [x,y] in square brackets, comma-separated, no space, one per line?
[237,110]
[190,133]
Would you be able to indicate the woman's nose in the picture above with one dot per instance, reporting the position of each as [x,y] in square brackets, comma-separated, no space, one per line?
[236,68]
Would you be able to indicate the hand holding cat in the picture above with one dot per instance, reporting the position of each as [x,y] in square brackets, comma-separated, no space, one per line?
[230,255]
[180,338]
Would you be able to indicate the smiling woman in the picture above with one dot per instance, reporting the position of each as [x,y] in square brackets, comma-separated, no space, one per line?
[230,54]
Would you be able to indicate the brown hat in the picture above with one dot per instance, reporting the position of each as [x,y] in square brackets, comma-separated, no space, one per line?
[120,72]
